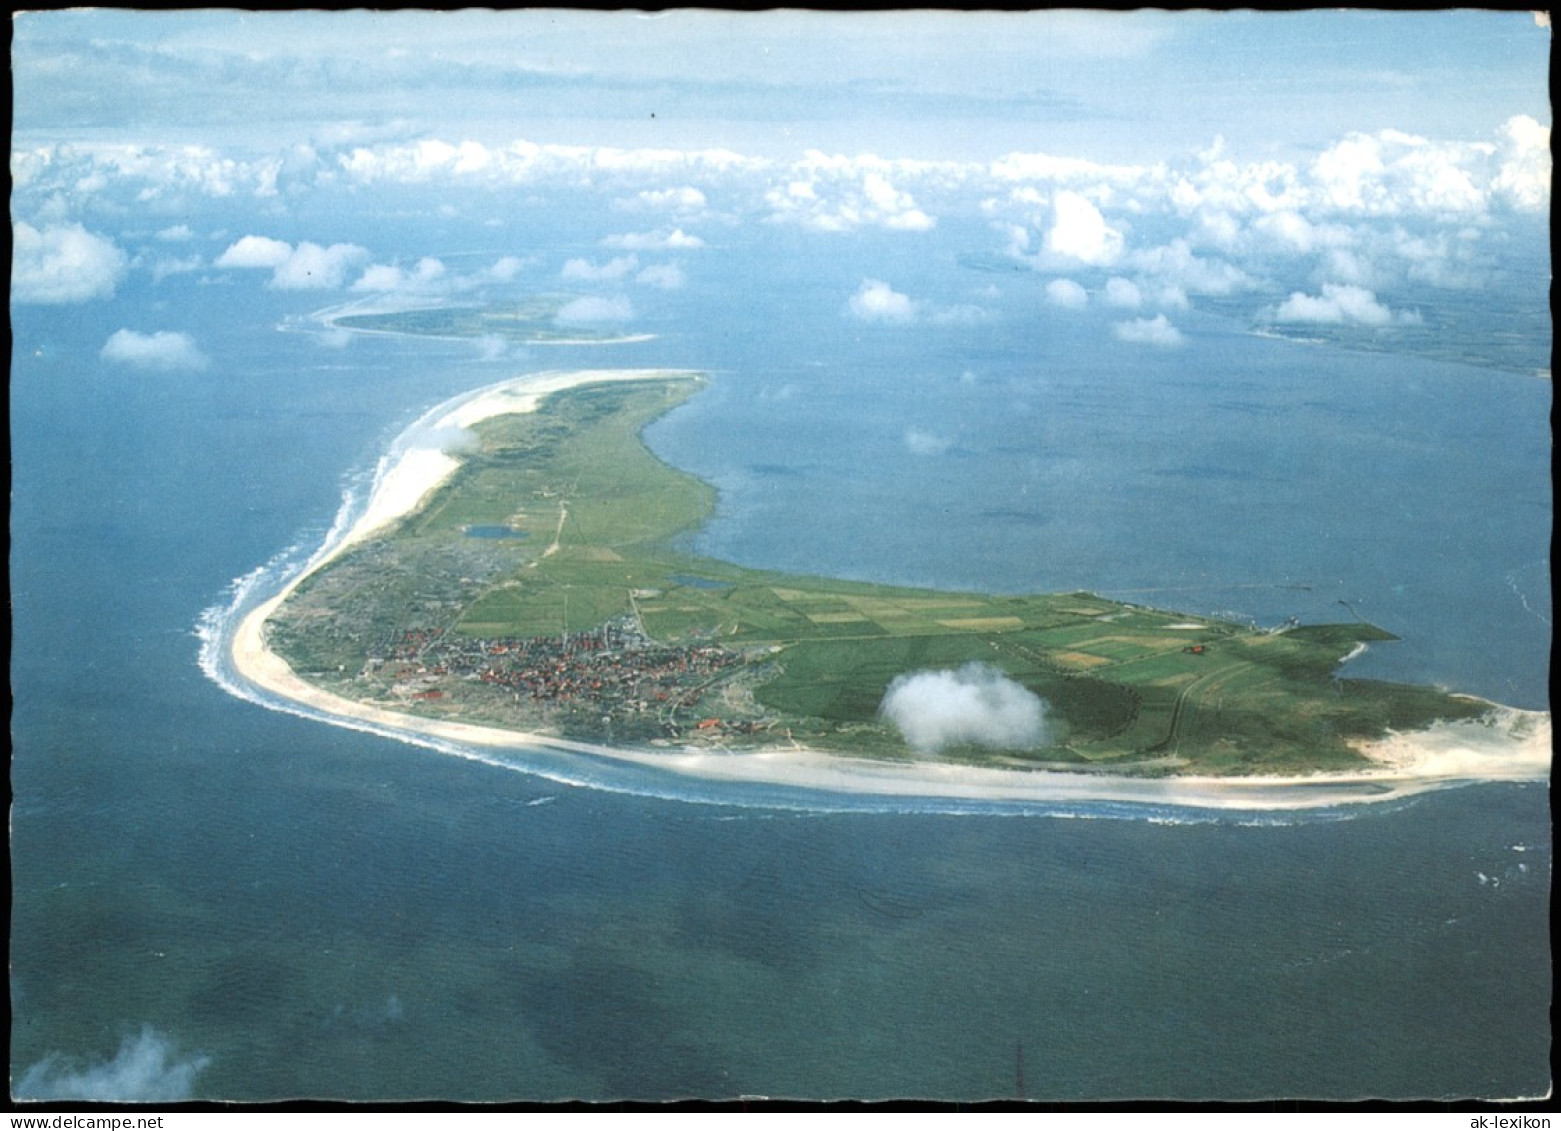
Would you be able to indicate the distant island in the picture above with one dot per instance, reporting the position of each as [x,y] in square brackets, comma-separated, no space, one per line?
[519,579]
[537,321]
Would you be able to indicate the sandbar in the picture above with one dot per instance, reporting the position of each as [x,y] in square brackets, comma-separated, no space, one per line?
[1508,744]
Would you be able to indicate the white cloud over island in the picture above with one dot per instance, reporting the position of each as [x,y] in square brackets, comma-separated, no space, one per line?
[309,266]
[974,704]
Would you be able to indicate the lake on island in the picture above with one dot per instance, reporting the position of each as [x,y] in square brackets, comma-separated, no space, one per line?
[1301,373]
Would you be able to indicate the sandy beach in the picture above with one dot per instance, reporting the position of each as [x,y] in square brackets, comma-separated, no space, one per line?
[420,469]
[1507,745]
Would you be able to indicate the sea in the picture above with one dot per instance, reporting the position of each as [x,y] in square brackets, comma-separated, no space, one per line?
[217,897]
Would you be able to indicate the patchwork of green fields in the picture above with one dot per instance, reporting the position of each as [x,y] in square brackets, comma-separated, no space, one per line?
[598,517]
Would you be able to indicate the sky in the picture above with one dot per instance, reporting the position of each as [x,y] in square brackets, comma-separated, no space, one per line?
[1319,166]
[913,84]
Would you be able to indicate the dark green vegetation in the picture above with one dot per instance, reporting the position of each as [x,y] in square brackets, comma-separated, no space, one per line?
[592,623]
[534,320]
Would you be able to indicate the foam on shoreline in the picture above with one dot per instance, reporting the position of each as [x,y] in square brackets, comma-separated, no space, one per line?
[1506,745]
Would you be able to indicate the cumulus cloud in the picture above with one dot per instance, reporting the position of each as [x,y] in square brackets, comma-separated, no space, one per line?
[256,251]
[975,704]
[1339,304]
[1524,176]
[145,1070]
[506,268]
[662,240]
[1156,331]
[164,349]
[1080,232]
[427,275]
[877,301]
[667,276]
[684,199]
[63,263]
[840,194]
[309,266]
[1066,294]
[611,271]
[1175,265]
[312,267]
[593,310]
[433,160]
[176,234]
[1391,172]
[1124,293]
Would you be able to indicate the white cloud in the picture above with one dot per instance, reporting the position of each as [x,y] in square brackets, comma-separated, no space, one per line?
[433,160]
[1124,293]
[165,175]
[176,234]
[1524,176]
[663,240]
[164,267]
[611,271]
[961,314]
[164,350]
[976,704]
[309,266]
[840,194]
[1175,265]
[63,263]
[1067,170]
[684,199]
[923,443]
[1080,232]
[1066,294]
[667,276]
[256,251]
[876,301]
[506,268]
[1390,172]
[312,267]
[1156,331]
[592,310]
[144,1071]
[428,274]
[893,209]
[1339,304]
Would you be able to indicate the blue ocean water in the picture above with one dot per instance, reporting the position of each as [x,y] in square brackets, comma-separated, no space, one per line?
[290,908]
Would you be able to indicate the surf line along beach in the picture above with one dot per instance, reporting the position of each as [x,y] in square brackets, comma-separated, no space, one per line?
[1507,745]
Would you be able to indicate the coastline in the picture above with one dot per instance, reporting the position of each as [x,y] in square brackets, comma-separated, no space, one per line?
[1508,745]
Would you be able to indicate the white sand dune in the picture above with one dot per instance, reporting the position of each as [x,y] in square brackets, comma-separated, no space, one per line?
[1507,745]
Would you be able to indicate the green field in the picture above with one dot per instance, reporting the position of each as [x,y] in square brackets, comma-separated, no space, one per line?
[586,619]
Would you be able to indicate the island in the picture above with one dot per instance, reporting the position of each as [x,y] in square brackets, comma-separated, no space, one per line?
[541,320]
[520,577]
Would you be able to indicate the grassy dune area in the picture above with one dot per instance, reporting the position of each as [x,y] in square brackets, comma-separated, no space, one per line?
[542,588]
